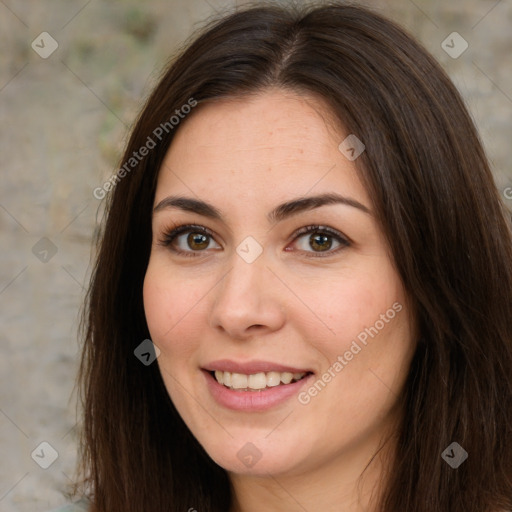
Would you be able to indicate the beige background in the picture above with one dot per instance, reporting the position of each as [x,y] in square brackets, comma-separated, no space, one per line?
[64,120]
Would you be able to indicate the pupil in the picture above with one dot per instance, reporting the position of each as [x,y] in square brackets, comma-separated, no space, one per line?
[320,241]
[197,238]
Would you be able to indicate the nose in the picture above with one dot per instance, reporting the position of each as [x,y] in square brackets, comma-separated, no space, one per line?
[248,300]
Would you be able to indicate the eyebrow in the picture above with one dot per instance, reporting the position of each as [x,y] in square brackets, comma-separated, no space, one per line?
[278,214]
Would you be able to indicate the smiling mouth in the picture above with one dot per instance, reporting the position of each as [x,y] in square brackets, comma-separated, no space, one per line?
[256,381]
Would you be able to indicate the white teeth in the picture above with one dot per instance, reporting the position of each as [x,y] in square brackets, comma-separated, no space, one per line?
[256,381]
[286,377]
[273,379]
[239,381]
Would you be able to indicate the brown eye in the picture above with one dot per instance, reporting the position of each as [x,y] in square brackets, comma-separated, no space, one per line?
[321,239]
[320,242]
[197,240]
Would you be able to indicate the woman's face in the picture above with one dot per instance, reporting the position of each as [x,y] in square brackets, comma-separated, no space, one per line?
[259,302]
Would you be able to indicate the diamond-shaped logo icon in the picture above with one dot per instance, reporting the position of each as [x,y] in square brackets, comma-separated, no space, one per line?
[147,352]
[249,454]
[249,249]
[351,147]
[454,45]
[44,455]
[44,45]
[44,250]
[454,455]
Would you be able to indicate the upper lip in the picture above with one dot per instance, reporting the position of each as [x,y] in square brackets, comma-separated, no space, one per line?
[252,367]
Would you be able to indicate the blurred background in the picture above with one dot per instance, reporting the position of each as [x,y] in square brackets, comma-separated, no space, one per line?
[73,75]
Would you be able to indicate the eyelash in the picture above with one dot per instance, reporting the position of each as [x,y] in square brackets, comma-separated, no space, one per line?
[172,234]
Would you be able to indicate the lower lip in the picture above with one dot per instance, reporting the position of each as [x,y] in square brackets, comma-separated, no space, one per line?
[253,400]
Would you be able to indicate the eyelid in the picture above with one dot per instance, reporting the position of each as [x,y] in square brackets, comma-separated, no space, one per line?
[171,233]
[341,238]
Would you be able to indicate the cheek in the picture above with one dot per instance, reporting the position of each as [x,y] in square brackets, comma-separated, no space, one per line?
[165,306]
[348,303]
[172,306]
[157,306]
[161,292]
[366,315]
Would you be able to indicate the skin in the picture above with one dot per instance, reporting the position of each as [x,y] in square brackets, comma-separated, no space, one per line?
[245,156]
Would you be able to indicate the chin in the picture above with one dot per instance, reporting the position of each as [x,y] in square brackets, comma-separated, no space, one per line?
[256,458]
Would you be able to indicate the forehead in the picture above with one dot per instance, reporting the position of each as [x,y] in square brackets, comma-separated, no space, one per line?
[264,147]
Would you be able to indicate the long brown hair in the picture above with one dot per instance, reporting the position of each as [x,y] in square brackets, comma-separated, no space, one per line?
[438,206]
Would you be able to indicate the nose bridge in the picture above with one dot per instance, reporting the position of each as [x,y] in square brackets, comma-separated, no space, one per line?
[245,297]
[243,286]
[248,268]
